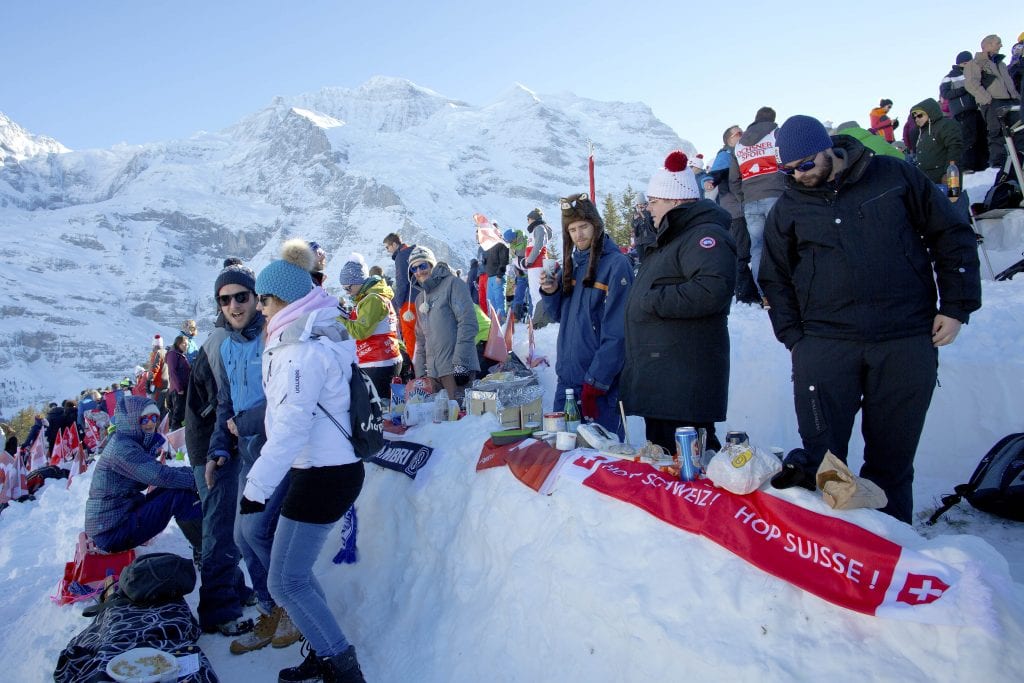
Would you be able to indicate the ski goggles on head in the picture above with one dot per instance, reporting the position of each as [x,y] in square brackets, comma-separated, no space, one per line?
[239,297]
[570,203]
[151,417]
[803,167]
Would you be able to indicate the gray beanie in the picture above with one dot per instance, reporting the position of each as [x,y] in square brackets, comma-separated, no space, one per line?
[235,275]
[421,253]
[354,272]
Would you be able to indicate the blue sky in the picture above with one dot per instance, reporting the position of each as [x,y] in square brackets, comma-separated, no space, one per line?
[93,74]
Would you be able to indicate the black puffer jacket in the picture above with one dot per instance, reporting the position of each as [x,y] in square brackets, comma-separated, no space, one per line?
[677,334]
[200,409]
[940,141]
[853,259]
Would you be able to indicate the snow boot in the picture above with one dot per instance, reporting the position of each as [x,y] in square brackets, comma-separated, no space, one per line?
[261,635]
[311,670]
[286,632]
[232,628]
[343,668]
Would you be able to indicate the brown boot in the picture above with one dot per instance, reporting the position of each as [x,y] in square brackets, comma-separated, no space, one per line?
[286,633]
[261,636]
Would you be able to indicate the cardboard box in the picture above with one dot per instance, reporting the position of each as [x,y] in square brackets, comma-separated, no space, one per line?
[532,412]
[510,418]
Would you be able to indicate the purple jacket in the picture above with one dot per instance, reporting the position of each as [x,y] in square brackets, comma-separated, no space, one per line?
[178,370]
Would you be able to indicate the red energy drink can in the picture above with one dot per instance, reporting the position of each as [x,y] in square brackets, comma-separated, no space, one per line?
[687,448]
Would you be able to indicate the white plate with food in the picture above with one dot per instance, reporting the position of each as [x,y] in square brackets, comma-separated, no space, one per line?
[143,665]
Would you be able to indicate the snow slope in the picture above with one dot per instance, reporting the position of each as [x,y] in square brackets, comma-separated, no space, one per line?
[472,577]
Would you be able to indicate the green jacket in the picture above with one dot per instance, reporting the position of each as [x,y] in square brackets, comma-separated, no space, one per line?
[370,309]
[876,143]
[940,141]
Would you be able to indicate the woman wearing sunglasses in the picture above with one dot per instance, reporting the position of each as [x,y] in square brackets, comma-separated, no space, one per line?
[118,515]
[446,325]
[307,366]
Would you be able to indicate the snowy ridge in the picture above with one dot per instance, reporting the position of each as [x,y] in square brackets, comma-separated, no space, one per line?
[17,144]
[130,238]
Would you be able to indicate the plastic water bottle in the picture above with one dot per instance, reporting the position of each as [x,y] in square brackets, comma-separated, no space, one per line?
[572,411]
[441,406]
[952,180]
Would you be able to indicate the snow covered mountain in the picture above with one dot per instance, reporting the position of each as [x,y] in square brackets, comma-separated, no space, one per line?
[17,144]
[105,248]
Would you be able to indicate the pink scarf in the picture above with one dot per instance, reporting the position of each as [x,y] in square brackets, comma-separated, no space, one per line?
[316,299]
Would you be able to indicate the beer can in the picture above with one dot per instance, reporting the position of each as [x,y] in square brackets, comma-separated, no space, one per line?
[687,448]
[738,438]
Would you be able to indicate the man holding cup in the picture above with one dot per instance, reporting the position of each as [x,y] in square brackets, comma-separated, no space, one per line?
[587,297]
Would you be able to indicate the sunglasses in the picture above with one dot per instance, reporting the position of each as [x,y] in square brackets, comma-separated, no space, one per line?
[152,417]
[422,265]
[239,297]
[918,115]
[803,167]
[264,299]
[571,203]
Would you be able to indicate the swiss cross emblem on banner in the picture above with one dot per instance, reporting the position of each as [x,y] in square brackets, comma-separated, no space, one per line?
[920,589]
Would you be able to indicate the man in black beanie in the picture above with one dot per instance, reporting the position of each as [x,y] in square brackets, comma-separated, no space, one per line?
[853,251]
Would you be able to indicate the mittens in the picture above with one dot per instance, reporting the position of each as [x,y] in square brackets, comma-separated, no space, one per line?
[589,400]
[248,507]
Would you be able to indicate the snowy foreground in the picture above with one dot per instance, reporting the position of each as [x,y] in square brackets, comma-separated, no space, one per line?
[472,577]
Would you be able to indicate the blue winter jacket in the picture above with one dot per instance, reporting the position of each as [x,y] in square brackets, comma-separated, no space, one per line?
[240,393]
[127,467]
[591,335]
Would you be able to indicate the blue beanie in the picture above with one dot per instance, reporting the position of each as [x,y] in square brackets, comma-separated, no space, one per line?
[509,235]
[354,272]
[800,137]
[235,275]
[288,279]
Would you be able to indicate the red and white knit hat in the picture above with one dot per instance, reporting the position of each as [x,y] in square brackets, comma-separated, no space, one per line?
[675,180]
[158,342]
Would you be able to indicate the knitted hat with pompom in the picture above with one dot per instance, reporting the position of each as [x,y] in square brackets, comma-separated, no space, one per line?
[675,180]
[288,278]
[354,272]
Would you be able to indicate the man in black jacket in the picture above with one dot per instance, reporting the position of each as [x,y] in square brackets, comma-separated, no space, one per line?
[964,109]
[848,272]
[677,337]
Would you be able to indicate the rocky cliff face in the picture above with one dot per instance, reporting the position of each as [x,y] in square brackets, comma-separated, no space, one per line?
[105,248]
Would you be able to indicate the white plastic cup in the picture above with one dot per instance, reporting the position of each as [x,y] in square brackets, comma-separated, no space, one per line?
[565,441]
[550,265]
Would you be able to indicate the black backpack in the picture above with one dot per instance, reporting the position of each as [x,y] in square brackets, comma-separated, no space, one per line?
[367,412]
[997,485]
[157,578]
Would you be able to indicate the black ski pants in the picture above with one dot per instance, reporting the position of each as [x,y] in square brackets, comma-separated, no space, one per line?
[890,382]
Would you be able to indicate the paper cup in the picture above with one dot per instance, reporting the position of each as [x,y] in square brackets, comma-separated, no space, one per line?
[550,265]
[565,441]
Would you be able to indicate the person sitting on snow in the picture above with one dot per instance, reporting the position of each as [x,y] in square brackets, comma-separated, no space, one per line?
[118,515]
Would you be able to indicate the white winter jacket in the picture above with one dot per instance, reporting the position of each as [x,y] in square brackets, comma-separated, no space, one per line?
[305,363]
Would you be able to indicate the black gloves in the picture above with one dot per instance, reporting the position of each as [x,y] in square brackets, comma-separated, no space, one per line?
[248,507]
[797,470]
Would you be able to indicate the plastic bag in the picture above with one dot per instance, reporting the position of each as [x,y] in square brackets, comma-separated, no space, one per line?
[741,468]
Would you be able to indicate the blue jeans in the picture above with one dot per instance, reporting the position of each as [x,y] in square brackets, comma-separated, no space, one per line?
[150,518]
[756,212]
[297,546]
[496,295]
[519,297]
[222,590]
[254,534]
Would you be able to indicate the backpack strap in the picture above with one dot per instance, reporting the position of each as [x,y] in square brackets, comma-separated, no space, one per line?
[336,423]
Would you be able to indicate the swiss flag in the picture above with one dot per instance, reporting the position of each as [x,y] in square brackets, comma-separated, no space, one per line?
[921,589]
[92,435]
[37,453]
[59,448]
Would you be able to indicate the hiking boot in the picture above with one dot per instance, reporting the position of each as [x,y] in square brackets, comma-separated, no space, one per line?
[235,627]
[261,635]
[342,668]
[286,633]
[310,671]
